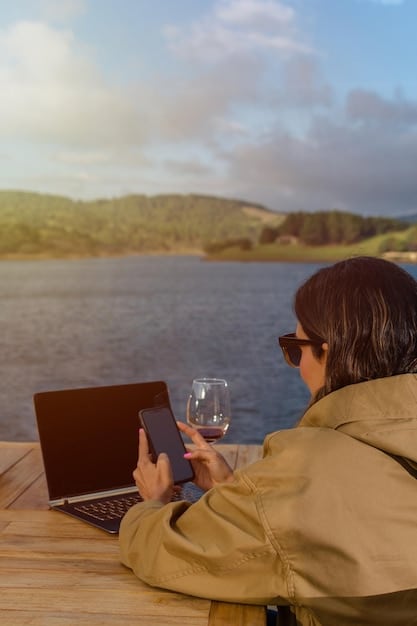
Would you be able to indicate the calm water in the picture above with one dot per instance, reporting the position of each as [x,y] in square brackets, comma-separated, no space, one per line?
[113,321]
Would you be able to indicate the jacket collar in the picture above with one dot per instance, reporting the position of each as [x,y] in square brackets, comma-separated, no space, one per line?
[381,412]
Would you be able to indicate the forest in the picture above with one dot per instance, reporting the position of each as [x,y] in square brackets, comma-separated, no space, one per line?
[330,227]
[34,224]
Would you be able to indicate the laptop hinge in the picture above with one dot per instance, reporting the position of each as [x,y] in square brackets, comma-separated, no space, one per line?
[93,496]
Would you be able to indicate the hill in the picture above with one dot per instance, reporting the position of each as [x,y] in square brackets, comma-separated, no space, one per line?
[324,236]
[40,225]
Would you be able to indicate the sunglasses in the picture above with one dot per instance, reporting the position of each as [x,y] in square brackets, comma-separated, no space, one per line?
[290,345]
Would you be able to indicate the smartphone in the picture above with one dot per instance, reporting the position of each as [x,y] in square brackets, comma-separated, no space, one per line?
[164,436]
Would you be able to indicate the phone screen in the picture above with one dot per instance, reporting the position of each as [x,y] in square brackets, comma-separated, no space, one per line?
[164,436]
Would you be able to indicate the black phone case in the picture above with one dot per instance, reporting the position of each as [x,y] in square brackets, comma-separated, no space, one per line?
[164,436]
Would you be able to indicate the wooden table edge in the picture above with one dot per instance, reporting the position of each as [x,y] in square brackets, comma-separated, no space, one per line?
[234,614]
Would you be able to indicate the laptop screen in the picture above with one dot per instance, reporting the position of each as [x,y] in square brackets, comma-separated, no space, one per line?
[89,436]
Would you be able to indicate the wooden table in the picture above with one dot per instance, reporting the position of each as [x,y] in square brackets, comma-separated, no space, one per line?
[58,571]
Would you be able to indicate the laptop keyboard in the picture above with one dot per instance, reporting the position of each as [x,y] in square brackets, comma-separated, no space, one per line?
[115,507]
[110,508]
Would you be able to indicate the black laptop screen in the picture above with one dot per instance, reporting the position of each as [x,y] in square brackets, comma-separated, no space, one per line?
[89,436]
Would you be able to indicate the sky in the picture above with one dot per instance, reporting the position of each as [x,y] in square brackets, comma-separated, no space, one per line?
[297,105]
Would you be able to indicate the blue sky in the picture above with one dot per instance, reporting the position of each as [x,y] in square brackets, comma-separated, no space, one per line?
[296,105]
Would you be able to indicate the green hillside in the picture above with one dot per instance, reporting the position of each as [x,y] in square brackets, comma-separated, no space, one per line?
[325,237]
[39,225]
[395,246]
[36,225]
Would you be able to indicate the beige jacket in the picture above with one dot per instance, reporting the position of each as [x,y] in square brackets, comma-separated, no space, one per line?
[326,522]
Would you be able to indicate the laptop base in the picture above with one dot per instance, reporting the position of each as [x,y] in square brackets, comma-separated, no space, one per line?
[107,512]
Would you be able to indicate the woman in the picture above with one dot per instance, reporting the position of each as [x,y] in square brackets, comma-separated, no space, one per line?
[325,525]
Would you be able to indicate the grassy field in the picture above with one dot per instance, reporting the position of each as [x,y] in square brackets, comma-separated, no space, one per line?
[301,253]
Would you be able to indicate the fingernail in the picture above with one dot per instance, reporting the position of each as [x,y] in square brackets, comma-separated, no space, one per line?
[187,455]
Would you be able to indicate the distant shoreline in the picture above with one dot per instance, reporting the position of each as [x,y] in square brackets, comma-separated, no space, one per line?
[75,257]
[311,256]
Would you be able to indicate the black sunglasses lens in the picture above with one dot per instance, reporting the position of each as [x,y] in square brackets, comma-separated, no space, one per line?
[294,354]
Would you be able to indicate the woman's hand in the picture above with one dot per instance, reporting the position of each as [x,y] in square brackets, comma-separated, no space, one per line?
[210,467]
[154,480]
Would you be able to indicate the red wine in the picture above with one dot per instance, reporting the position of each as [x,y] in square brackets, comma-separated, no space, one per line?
[211,434]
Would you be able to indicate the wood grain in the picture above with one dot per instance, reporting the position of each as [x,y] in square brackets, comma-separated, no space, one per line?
[21,467]
[58,571]
[228,614]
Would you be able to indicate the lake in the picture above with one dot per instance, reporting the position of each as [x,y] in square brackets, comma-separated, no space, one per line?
[79,323]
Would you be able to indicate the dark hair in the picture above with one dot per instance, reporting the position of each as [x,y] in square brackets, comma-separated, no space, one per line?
[365,308]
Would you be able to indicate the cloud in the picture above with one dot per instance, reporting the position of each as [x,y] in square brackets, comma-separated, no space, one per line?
[310,153]
[188,168]
[84,158]
[199,107]
[241,109]
[125,157]
[369,107]
[235,28]
[336,164]
[264,14]
[302,84]
[52,92]
[227,59]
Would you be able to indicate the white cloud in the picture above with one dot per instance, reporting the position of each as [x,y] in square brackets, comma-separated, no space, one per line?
[32,51]
[264,14]
[237,27]
[121,157]
[190,108]
[228,57]
[86,157]
[52,92]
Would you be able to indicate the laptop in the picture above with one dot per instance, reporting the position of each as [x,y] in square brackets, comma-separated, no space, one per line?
[89,443]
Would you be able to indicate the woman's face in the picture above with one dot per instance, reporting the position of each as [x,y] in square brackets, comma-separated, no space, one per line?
[312,369]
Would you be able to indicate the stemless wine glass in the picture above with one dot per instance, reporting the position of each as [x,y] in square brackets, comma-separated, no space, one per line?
[208,408]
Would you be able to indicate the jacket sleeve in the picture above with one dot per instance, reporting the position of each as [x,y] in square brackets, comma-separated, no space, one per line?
[215,548]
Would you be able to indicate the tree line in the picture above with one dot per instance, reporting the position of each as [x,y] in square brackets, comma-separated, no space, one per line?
[34,224]
[329,227]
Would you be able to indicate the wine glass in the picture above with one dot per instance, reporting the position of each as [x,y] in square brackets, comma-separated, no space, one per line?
[208,408]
